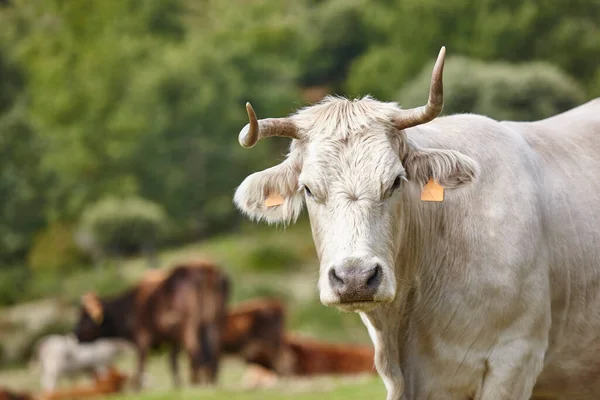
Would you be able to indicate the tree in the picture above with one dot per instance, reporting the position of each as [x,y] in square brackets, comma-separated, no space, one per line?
[411,32]
[505,91]
[22,181]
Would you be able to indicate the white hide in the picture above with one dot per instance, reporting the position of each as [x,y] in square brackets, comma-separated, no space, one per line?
[63,355]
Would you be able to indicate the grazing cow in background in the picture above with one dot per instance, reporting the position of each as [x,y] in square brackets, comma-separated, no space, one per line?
[62,355]
[185,308]
[469,246]
[306,357]
[255,330]
[300,356]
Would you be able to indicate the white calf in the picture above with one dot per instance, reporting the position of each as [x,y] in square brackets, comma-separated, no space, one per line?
[60,355]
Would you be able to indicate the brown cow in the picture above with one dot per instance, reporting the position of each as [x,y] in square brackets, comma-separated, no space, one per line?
[185,308]
[255,330]
[309,357]
[304,356]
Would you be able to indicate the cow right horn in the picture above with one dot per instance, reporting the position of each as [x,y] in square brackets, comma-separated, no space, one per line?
[435,103]
[258,129]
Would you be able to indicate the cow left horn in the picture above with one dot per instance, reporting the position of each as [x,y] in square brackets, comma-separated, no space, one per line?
[258,129]
[435,103]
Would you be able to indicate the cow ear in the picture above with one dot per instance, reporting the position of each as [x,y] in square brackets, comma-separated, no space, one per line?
[449,168]
[272,195]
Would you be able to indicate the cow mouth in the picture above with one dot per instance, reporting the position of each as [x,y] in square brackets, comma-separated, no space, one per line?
[357,306]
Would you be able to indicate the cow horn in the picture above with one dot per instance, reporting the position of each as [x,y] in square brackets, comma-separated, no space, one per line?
[435,103]
[258,129]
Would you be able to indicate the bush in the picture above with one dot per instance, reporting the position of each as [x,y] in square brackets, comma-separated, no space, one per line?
[521,92]
[123,225]
[55,249]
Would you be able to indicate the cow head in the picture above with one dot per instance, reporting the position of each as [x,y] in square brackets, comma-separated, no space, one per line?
[353,166]
[91,324]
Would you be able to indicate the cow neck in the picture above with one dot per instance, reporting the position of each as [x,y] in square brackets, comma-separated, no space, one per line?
[432,244]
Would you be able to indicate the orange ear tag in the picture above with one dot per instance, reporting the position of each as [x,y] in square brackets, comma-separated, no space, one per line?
[274,200]
[433,191]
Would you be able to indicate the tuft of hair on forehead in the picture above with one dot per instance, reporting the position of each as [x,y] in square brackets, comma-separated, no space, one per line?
[339,117]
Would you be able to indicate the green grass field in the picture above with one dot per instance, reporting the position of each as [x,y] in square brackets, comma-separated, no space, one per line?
[230,386]
[261,261]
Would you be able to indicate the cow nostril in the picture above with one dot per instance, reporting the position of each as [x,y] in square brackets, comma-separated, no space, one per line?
[375,277]
[334,277]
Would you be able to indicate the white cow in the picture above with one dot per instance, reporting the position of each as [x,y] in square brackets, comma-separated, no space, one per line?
[63,355]
[492,292]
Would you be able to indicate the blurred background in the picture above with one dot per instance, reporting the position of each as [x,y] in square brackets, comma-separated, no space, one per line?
[119,123]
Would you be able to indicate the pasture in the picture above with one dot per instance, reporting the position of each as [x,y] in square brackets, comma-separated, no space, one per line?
[261,261]
[230,385]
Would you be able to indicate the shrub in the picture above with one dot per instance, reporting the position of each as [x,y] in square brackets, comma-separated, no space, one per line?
[521,92]
[55,249]
[123,225]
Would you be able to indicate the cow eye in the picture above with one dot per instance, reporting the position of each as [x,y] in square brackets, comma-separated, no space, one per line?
[397,182]
[307,191]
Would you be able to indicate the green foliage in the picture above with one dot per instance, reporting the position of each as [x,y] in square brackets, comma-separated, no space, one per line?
[410,32]
[244,292]
[43,283]
[500,90]
[339,35]
[13,284]
[145,98]
[107,282]
[54,249]
[595,85]
[118,225]
[271,258]
[91,54]
[21,180]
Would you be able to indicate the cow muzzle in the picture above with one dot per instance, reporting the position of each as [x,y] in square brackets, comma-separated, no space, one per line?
[355,285]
